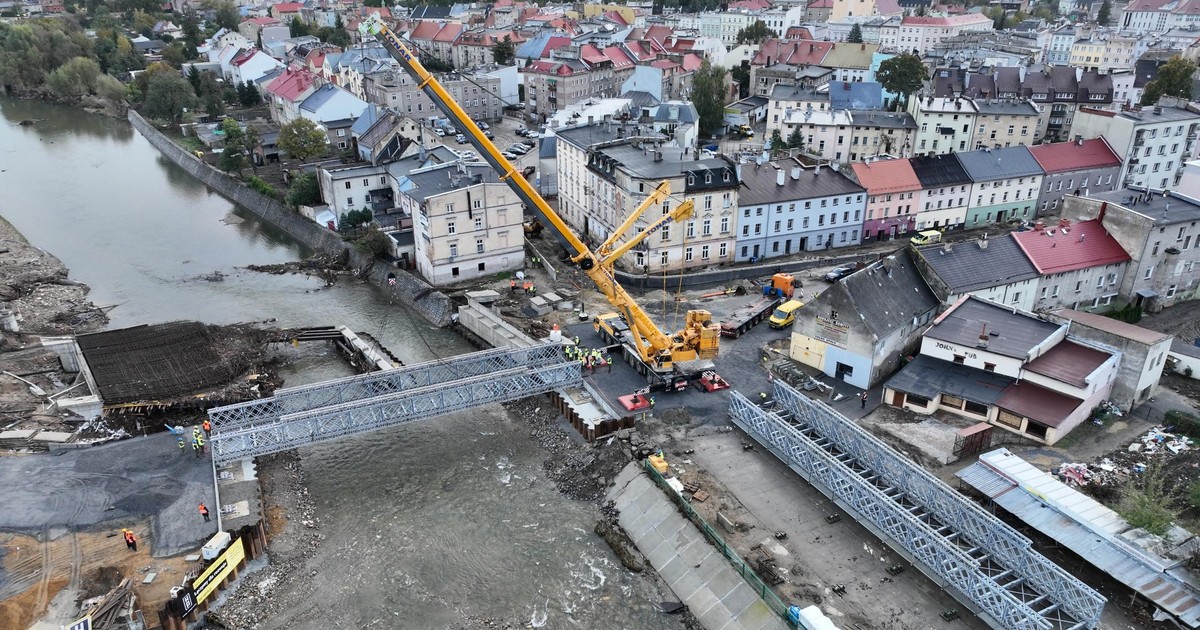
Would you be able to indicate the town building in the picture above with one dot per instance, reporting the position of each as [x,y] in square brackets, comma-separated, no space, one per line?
[574,74]
[892,188]
[1157,16]
[920,34]
[287,91]
[1081,265]
[335,110]
[1004,185]
[1143,353]
[467,223]
[605,170]
[1006,123]
[1075,168]
[945,191]
[477,94]
[996,364]
[858,329]
[1104,54]
[1155,141]
[847,136]
[994,269]
[786,208]
[944,125]
[1160,234]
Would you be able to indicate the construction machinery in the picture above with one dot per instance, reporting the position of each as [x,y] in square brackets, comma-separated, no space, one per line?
[648,348]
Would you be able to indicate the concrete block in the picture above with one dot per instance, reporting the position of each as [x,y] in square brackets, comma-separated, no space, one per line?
[539,305]
[483,297]
[149,577]
[724,522]
[552,297]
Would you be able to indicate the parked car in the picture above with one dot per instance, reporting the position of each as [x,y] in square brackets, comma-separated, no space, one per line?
[838,273]
[509,155]
[466,155]
[484,126]
[529,143]
[461,139]
[518,149]
[488,134]
[439,131]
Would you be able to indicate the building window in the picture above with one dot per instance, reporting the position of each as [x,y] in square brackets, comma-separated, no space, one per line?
[1079,286]
[451,228]
[706,227]
[959,358]
[724,250]
[478,246]
[347,185]
[724,226]
[449,207]
[478,223]
[704,252]
[687,254]
[453,250]
[664,258]
[989,367]
[1016,297]
[665,231]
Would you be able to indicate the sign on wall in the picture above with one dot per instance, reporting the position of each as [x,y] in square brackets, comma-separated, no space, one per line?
[218,571]
[832,332]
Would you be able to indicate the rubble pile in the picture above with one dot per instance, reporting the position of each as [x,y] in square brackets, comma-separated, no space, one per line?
[1120,466]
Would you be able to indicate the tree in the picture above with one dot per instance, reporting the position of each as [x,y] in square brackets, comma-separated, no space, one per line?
[302,139]
[755,33]
[248,95]
[795,140]
[110,89]
[225,13]
[1105,13]
[174,55]
[251,140]
[999,17]
[304,190]
[193,77]
[741,74]
[855,36]
[504,51]
[902,74]
[74,79]
[233,157]
[168,95]
[1174,78]
[709,87]
[297,28]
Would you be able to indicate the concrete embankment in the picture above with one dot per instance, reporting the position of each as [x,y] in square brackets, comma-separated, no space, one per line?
[430,303]
[696,572]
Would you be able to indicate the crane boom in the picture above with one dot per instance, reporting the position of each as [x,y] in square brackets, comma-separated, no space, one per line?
[698,340]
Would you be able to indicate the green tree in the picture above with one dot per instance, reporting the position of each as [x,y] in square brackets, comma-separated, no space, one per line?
[251,140]
[1173,78]
[777,143]
[168,95]
[1105,14]
[297,28]
[302,139]
[504,51]
[741,74]
[174,55]
[795,140]
[74,79]
[193,77]
[191,32]
[248,95]
[304,190]
[225,13]
[709,87]
[903,75]
[855,36]
[999,17]
[110,89]
[756,33]
[233,157]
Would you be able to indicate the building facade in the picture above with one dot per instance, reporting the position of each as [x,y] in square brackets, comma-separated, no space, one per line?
[785,208]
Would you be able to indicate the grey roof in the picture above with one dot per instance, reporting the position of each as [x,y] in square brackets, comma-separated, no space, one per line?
[1178,346]
[967,268]
[939,170]
[886,120]
[1148,116]
[365,120]
[682,112]
[318,99]
[759,184]
[789,92]
[586,136]
[438,180]
[1174,208]
[1005,108]
[1010,333]
[888,300]
[640,98]
[928,377]
[855,95]
[992,164]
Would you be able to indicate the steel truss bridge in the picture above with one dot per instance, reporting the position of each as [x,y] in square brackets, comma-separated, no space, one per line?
[985,564]
[309,414]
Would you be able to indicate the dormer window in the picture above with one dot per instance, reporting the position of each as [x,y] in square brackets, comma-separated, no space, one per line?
[726,176]
[708,178]
[691,180]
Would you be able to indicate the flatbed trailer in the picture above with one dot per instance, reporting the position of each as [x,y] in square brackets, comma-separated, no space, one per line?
[743,319]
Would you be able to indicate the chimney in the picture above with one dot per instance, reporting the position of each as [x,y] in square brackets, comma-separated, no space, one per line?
[796,172]
[983,337]
[1081,237]
[1039,225]
[983,242]
[1064,223]
[780,177]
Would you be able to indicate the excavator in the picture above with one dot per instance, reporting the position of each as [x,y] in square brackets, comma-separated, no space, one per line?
[655,353]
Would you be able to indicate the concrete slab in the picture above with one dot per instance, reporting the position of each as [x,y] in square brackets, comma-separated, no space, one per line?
[661,554]
[686,585]
[702,602]
[738,600]
[53,436]
[722,583]
[486,296]
[673,570]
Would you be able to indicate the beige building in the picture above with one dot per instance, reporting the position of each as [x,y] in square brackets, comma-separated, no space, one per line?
[466,223]
[1116,53]
[844,135]
[1003,123]
[606,170]
[397,90]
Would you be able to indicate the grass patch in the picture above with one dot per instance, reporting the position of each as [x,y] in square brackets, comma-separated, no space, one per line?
[1146,502]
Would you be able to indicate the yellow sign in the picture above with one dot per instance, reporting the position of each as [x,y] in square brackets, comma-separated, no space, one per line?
[216,572]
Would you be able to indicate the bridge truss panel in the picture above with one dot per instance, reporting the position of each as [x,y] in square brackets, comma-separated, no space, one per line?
[995,541]
[328,423]
[343,390]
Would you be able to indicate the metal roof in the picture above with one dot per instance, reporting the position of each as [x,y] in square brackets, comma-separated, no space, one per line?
[1010,332]
[970,266]
[1084,526]
[929,377]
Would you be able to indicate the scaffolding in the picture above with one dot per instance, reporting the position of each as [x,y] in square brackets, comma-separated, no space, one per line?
[985,564]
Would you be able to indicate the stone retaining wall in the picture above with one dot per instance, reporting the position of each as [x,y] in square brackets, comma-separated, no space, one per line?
[431,304]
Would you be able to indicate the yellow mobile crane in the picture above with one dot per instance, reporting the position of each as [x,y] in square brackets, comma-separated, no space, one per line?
[656,351]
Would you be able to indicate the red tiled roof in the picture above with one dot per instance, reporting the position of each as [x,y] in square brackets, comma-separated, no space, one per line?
[615,16]
[263,21]
[664,64]
[796,52]
[952,20]
[425,30]
[1037,403]
[554,43]
[1113,326]
[1069,156]
[886,176]
[246,55]
[292,84]
[1086,244]
[801,32]
[591,54]
[448,33]
[749,4]
[1069,362]
[692,62]
[618,57]
[288,7]
[384,12]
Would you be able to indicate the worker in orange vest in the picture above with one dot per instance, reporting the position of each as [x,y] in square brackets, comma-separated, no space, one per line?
[512,285]
[207,428]
[130,540]
[204,511]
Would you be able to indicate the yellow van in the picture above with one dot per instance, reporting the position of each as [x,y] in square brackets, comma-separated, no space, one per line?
[785,315]
[928,237]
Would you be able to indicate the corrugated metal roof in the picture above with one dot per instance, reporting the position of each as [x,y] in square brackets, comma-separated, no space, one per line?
[1084,526]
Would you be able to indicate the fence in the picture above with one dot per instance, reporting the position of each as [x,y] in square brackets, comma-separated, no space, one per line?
[768,596]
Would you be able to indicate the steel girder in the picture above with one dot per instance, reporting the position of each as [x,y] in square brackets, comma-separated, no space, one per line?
[328,423]
[871,504]
[999,543]
[306,397]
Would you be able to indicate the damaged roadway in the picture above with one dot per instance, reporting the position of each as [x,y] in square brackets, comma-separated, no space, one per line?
[111,485]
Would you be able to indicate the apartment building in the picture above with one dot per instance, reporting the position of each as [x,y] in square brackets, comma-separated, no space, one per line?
[847,135]
[892,190]
[1004,185]
[1074,168]
[1006,123]
[992,268]
[1156,141]
[945,188]
[1081,265]
[467,224]
[944,125]
[1104,54]
[605,170]
[786,208]
[476,93]
[1158,16]
[924,33]
[574,74]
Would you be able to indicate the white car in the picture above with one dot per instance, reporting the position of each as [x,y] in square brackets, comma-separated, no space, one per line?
[509,155]
[439,132]
[484,126]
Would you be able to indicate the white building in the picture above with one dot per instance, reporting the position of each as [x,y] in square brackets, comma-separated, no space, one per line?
[924,33]
[1155,141]
[785,208]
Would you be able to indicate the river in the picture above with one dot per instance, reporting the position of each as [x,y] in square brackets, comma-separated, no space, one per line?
[439,521]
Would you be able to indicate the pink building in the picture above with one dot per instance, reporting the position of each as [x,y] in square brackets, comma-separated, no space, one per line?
[892,191]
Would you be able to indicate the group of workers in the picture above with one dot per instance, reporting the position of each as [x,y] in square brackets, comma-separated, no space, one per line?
[590,358]
[527,285]
[198,438]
